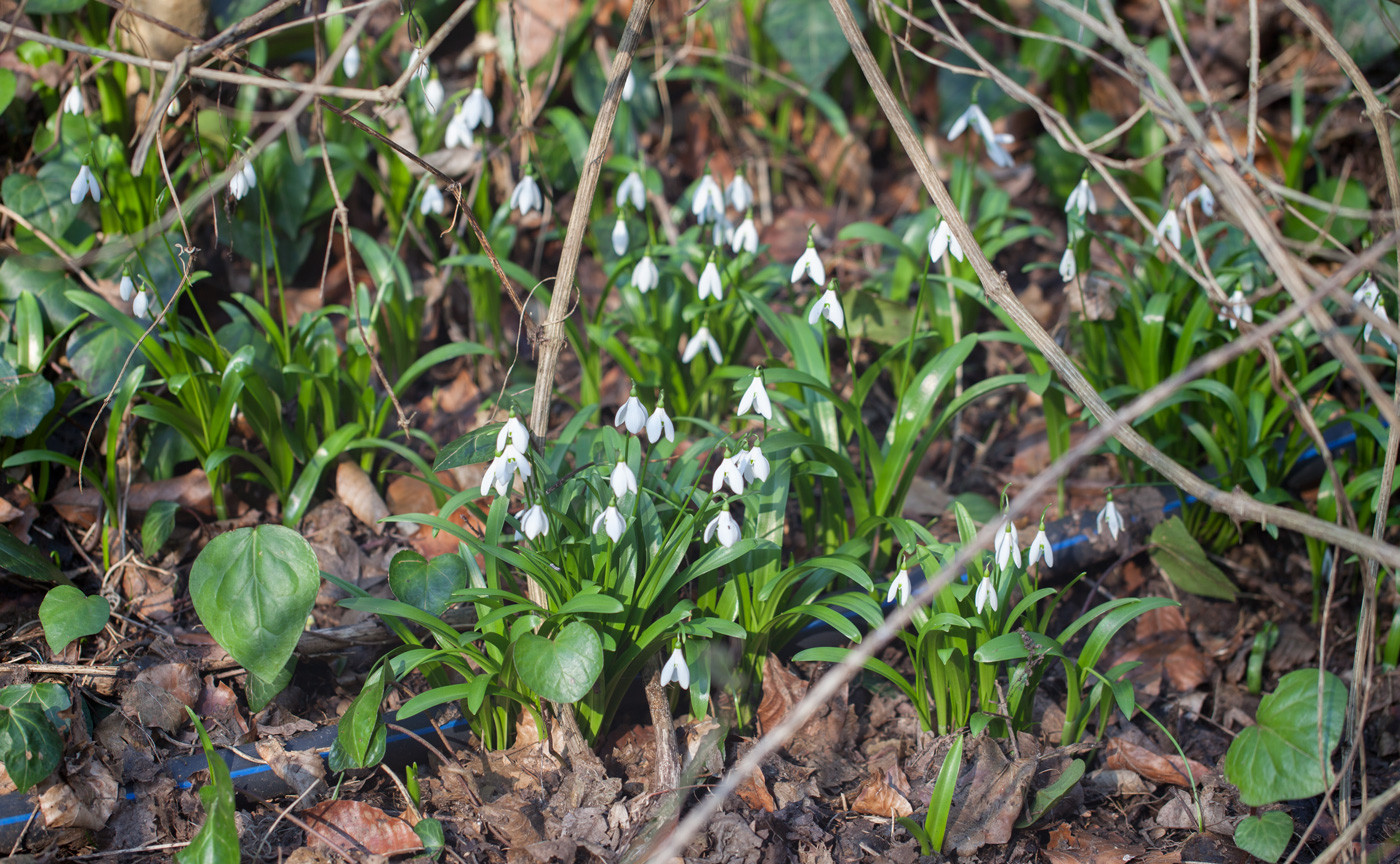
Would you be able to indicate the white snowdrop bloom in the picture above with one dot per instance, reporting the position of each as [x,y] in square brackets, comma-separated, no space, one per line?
[73,102]
[756,397]
[1109,513]
[941,242]
[622,479]
[173,109]
[725,528]
[432,202]
[1170,228]
[477,111]
[1240,308]
[1369,294]
[125,287]
[526,196]
[244,180]
[634,190]
[811,264]
[701,340]
[620,237]
[739,193]
[1040,548]
[745,237]
[632,415]
[501,472]
[1008,547]
[828,306]
[721,230]
[1081,198]
[676,670]
[433,95]
[1068,266]
[708,202]
[534,522]
[645,276]
[710,285]
[513,433]
[986,595]
[756,465]
[459,132]
[991,140]
[659,424]
[629,86]
[84,184]
[141,307]
[420,70]
[350,63]
[899,588]
[1203,195]
[728,473]
[610,522]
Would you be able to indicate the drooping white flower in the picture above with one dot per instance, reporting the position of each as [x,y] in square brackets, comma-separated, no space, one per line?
[721,230]
[756,397]
[534,522]
[526,196]
[84,184]
[1369,295]
[756,466]
[459,132]
[73,102]
[1109,513]
[728,472]
[622,479]
[141,307]
[811,264]
[513,433]
[244,180]
[708,203]
[173,109]
[477,111]
[1069,267]
[701,340]
[1240,309]
[745,237]
[125,287]
[828,306]
[420,70]
[632,189]
[659,424]
[725,528]
[501,472]
[1206,198]
[899,588]
[632,415]
[1081,198]
[620,237]
[991,140]
[350,63]
[645,276]
[1170,228]
[610,522]
[433,95]
[1040,547]
[739,193]
[986,595]
[941,241]
[710,285]
[676,670]
[629,86]
[1008,547]
[432,202]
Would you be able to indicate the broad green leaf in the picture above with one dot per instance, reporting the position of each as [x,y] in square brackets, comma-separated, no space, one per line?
[1185,562]
[1050,795]
[7,89]
[426,584]
[157,526]
[1266,835]
[67,615]
[253,588]
[24,400]
[562,669]
[261,692]
[479,445]
[1277,759]
[808,36]
[360,723]
[50,286]
[27,561]
[30,746]
[43,200]
[55,7]
[217,840]
[96,351]
[941,801]
[1344,229]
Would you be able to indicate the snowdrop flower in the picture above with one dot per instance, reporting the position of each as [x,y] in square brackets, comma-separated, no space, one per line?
[477,111]
[990,139]
[503,468]
[622,479]
[701,340]
[739,193]
[745,236]
[459,131]
[632,189]
[721,230]
[1170,228]
[1040,547]
[433,95]
[676,670]
[73,102]
[141,307]
[828,306]
[513,433]
[620,238]
[433,201]
[645,276]
[728,472]
[173,109]
[756,397]
[350,63]
[1081,198]
[85,184]
[126,287]
[810,264]
[1239,307]
[942,241]
[708,203]
[632,414]
[659,423]
[611,522]
[420,70]
[243,181]
[710,286]
[1109,513]
[986,595]
[526,196]
[1068,266]
[1008,547]
[1206,198]
[899,588]
[724,527]
[534,522]
[1369,294]
[629,87]
[755,465]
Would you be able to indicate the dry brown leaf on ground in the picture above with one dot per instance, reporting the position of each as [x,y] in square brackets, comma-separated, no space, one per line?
[85,798]
[994,800]
[754,792]
[301,770]
[876,797]
[159,695]
[1123,754]
[80,506]
[356,490]
[1066,847]
[360,827]
[781,691]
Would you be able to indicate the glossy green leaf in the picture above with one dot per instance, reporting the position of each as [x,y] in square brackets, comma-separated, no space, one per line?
[24,400]
[68,614]
[1266,835]
[30,746]
[7,89]
[27,561]
[808,36]
[426,584]
[1185,562]
[562,669]
[1277,759]
[217,840]
[479,445]
[157,526]
[360,723]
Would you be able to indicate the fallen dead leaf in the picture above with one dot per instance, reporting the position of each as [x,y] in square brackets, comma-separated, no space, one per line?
[80,506]
[361,828]
[301,770]
[354,488]
[876,797]
[1106,781]
[994,800]
[1065,847]
[159,695]
[150,592]
[85,798]
[1122,754]
[754,792]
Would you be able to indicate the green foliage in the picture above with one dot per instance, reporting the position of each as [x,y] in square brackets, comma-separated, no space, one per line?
[1280,757]
[157,526]
[1185,563]
[1265,835]
[217,840]
[807,35]
[25,560]
[429,585]
[67,614]
[30,744]
[562,669]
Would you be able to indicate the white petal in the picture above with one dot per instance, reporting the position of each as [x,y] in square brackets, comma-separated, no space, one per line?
[758,464]
[710,285]
[73,102]
[658,425]
[960,124]
[125,288]
[811,264]
[739,193]
[350,63]
[710,529]
[142,306]
[620,238]
[1068,266]
[433,201]
[728,532]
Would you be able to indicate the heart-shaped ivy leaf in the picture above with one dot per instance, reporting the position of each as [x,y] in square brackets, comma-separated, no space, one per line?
[562,669]
[1265,836]
[426,584]
[68,614]
[253,589]
[30,746]
[1277,759]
